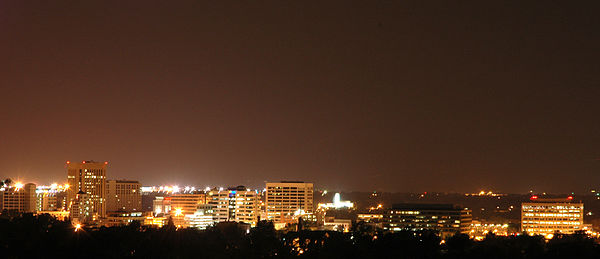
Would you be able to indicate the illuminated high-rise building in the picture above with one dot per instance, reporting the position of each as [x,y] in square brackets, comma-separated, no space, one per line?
[123,195]
[546,216]
[18,198]
[89,178]
[286,198]
[235,204]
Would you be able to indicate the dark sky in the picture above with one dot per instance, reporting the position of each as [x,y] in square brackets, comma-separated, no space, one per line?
[351,95]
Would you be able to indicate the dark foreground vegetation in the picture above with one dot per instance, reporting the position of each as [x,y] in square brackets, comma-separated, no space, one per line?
[43,237]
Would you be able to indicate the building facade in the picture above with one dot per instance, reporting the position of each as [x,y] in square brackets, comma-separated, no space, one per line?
[547,216]
[51,198]
[88,177]
[182,204]
[185,203]
[203,218]
[235,204]
[123,196]
[448,219]
[82,209]
[286,198]
[18,198]
[119,218]
[161,205]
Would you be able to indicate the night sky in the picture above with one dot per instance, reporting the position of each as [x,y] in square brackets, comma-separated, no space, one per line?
[373,95]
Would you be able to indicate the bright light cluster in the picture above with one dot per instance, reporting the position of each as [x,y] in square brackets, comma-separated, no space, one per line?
[337,203]
[54,188]
[169,189]
[484,193]
[177,189]
[17,186]
[478,231]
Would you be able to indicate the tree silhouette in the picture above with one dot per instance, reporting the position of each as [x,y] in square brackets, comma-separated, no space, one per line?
[42,236]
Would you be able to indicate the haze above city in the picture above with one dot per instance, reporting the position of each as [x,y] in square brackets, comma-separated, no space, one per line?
[389,96]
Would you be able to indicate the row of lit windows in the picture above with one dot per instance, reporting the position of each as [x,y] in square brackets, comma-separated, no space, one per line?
[287,187]
[537,208]
[553,222]
[552,214]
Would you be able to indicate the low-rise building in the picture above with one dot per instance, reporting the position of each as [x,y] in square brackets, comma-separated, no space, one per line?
[154,221]
[342,225]
[370,217]
[114,219]
[447,219]
[62,215]
[203,218]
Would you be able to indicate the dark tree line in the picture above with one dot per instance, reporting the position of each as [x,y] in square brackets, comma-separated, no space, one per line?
[28,236]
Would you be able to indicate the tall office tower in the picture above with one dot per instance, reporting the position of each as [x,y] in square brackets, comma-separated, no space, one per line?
[546,216]
[285,198]
[123,195]
[235,204]
[18,198]
[88,177]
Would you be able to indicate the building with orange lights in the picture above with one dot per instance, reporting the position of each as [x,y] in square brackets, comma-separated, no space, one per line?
[286,198]
[118,218]
[123,196]
[235,204]
[51,198]
[447,219]
[182,204]
[18,198]
[547,216]
[89,178]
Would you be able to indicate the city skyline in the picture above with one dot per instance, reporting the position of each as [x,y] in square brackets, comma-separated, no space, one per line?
[299,129]
[203,185]
[389,96]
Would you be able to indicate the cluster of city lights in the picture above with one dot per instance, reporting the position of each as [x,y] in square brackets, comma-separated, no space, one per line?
[479,231]
[337,203]
[484,193]
[172,189]
[379,206]
[17,185]
[177,189]
[53,188]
